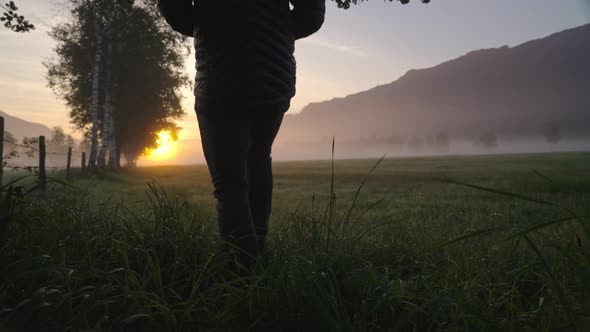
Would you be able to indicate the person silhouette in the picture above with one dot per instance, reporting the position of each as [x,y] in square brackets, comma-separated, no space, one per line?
[245,80]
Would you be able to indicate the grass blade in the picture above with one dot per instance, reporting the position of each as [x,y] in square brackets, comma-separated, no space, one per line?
[501,192]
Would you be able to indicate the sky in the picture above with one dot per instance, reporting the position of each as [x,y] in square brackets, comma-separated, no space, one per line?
[370,44]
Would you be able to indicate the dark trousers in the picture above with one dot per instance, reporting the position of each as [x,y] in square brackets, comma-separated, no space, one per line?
[237,145]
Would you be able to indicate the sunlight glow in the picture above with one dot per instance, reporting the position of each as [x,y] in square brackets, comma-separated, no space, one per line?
[166,149]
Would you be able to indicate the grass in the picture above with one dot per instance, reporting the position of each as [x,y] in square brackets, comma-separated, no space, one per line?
[429,244]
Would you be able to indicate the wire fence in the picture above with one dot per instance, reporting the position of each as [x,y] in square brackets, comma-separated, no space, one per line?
[24,155]
[32,156]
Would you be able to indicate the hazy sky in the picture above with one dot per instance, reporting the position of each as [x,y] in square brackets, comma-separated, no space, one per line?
[370,44]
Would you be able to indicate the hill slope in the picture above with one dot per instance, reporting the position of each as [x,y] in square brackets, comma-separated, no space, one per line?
[20,128]
[513,92]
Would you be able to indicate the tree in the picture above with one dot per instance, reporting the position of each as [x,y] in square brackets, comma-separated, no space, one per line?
[552,132]
[96,71]
[12,20]
[58,137]
[84,145]
[105,14]
[488,140]
[133,91]
[9,137]
[416,143]
[70,141]
[151,73]
[346,3]
[396,140]
[442,142]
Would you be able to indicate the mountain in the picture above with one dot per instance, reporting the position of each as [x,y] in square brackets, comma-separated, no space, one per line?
[20,128]
[512,92]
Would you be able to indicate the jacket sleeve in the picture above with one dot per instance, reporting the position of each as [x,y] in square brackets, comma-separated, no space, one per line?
[179,14]
[307,16]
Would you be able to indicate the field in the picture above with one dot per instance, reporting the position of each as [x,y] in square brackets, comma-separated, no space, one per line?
[498,242]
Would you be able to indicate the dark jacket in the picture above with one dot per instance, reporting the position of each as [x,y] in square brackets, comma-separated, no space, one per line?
[244,48]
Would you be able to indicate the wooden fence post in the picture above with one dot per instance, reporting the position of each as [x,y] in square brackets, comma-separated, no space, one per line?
[83,163]
[69,163]
[42,173]
[1,149]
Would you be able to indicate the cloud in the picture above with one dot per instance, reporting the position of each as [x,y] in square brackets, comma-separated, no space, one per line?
[351,50]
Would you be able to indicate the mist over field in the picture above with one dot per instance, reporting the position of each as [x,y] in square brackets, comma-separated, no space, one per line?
[190,151]
[529,98]
[354,150]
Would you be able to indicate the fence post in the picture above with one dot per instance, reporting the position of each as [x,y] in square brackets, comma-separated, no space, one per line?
[42,173]
[83,163]
[1,149]
[69,163]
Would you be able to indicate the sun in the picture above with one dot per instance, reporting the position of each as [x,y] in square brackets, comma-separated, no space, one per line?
[166,149]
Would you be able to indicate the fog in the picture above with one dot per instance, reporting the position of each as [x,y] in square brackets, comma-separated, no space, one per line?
[346,150]
[190,152]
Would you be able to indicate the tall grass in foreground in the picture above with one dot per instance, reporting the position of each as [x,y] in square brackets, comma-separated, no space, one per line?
[69,264]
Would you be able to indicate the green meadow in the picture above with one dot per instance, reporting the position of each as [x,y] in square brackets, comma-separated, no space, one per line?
[453,243]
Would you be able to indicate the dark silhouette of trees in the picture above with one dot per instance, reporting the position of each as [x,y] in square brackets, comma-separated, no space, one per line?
[120,70]
[12,20]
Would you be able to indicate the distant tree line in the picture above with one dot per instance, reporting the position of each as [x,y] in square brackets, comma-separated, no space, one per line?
[441,142]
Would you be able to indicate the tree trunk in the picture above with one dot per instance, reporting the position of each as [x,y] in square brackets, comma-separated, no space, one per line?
[113,154]
[108,100]
[115,148]
[130,158]
[95,89]
[118,160]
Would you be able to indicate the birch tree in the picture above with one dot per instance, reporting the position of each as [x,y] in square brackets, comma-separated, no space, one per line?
[112,146]
[133,91]
[108,103]
[108,95]
[99,29]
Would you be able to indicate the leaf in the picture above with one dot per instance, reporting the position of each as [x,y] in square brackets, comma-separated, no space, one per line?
[501,192]
[542,176]
[116,270]
[478,233]
[539,226]
[22,303]
[132,319]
